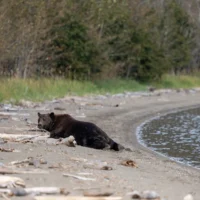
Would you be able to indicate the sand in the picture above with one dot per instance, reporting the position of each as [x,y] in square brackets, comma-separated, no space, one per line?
[119,116]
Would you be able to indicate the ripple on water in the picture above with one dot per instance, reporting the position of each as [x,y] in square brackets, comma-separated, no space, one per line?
[176,135]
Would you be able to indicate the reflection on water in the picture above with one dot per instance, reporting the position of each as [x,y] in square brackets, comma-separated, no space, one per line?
[175,135]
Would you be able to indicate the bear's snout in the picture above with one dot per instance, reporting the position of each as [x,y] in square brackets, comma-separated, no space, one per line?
[40,126]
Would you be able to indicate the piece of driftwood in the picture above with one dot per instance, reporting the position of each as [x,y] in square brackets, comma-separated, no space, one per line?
[78,159]
[97,192]
[14,114]
[33,129]
[75,198]
[4,196]
[17,136]
[4,170]
[34,191]
[69,141]
[11,181]
[6,150]
[21,138]
[79,177]
[19,162]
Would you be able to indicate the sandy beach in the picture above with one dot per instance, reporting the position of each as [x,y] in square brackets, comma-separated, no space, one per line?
[119,116]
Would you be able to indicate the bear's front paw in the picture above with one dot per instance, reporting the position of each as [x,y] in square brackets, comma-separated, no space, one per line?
[52,135]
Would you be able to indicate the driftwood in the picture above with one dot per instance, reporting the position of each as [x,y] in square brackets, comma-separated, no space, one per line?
[29,161]
[75,198]
[97,192]
[69,141]
[20,137]
[10,181]
[78,159]
[17,136]
[18,162]
[34,191]
[4,170]
[79,177]
[4,196]
[23,129]
[6,150]
[13,114]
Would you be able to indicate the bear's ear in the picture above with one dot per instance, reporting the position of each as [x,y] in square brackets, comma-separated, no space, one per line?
[39,114]
[52,115]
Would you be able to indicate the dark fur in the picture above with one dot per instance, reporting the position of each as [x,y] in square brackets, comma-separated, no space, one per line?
[85,133]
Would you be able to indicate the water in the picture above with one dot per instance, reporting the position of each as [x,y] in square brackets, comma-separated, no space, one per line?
[175,135]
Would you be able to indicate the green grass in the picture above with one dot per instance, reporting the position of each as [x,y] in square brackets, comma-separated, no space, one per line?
[176,82]
[114,86]
[13,90]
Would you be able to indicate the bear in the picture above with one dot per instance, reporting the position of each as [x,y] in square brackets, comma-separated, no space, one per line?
[86,134]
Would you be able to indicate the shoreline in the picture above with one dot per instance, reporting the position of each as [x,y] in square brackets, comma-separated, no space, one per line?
[143,145]
[119,117]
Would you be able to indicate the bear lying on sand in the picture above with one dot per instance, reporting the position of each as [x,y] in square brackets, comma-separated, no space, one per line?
[85,133]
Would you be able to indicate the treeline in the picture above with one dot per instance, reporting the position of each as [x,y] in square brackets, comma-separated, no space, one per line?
[88,39]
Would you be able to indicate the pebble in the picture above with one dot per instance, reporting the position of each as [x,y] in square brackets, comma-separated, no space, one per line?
[97,164]
[2,141]
[129,163]
[18,192]
[134,195]
[34,162]
[144,195]
[42,161]
[149,195]
[188,197]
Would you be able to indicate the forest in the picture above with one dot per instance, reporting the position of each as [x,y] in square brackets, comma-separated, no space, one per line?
[99,39]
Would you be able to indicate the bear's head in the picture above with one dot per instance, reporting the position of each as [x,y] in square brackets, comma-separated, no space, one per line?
[46,121]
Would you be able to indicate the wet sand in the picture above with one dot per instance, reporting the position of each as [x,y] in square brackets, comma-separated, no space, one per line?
[119,116]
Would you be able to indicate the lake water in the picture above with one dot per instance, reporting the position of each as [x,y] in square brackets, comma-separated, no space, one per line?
[176,135]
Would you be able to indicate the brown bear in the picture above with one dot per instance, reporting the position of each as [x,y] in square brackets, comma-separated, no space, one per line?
[85,133]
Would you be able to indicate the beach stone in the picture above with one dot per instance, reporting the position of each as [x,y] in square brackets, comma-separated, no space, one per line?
[42,161]
[98,164]
[2,141]
[34,162]
[129,163]
[134,195]
[188,197]
[18,192]
[150,195]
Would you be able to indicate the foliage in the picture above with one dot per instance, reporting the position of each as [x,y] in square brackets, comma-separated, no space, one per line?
[91,39]
[73,53]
